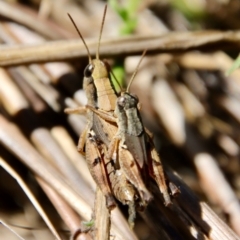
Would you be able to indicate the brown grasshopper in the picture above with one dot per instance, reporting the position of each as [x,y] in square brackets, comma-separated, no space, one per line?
[94,70]
[133,136]
[97,136]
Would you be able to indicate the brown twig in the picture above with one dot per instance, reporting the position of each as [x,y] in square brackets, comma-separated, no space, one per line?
[101,217]
[201,214]
[72,49]
[30,195]
[29,18]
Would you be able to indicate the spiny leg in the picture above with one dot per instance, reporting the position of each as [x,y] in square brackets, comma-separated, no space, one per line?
[123,190]
[83,137]
[97,169]
[175,191]
[159,176]
[113,149]
[131,214]
[133,173]
[157,173]
[113,146]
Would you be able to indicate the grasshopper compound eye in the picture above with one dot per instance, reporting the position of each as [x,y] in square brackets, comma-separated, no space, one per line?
[88,70]
[135,97]
[121,101]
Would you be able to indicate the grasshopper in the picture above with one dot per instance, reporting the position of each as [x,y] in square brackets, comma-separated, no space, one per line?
[97,136]
[96,69]
[133,136]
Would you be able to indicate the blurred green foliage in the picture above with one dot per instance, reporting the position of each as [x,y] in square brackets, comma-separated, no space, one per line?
[128,14]
[235,65]
[89,223]
[193,10]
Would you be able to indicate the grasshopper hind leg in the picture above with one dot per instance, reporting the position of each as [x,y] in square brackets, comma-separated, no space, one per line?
[131,214]
[157,173]
[96,165]
[167,188]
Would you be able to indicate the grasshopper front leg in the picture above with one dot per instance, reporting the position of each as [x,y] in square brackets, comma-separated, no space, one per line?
[82,141]
[103,114]
[83,137]
[96,165]
[77,110]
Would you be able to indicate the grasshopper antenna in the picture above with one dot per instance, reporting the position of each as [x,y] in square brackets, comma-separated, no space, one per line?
[80,35]
[136,70]
[100,35]
[115,78]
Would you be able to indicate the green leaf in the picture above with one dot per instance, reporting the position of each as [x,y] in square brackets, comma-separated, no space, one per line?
[89,223]
[129,27]
[132,6]
[193,10]
[235,65]
[128,15]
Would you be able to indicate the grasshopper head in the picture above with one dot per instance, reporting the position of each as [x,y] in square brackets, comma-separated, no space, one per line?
[100,69]
[96,69]
[88,84]
[127,101]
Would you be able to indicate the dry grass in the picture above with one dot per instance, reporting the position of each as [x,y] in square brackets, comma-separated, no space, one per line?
[187,101]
